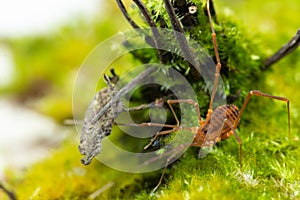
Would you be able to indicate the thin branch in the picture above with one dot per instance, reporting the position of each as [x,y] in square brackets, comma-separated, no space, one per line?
[154,29]
[126,15]
[154,41]
[128,87]
[181,39]
[283,51]
[10,194]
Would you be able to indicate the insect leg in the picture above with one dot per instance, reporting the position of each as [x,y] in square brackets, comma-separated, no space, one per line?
[156,104]
[162,174]
[174,128]
[158,134]
[218,66]
[259,93]
[238,139]
[188,101]
[172,156]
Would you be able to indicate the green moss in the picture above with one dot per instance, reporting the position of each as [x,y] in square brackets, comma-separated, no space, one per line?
[62,176]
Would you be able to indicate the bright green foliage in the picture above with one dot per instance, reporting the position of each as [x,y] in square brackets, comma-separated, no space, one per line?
[62,176]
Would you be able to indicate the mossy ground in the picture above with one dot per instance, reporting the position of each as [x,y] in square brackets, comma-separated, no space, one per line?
[270,164]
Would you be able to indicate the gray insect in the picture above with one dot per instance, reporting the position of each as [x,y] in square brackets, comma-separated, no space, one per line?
[95,126]
[93,133]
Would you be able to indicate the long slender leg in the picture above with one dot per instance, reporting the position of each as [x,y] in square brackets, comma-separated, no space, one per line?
[156,104]
[238,139]
[174,128]
[188,101]
[259,93]
[158,134]
[149,125]
[218,66]
[172,156]
[213,11]
[162,174]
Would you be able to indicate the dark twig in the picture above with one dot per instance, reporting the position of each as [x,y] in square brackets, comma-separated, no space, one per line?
[147,15]
[123,91]
[156,39]
[156,34]
[283,51]
[10,194]
[181,39]
[126,15]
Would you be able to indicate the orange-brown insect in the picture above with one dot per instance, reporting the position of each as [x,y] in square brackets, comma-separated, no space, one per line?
[220,123]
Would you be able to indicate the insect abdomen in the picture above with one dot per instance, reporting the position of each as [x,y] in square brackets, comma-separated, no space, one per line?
[215,127]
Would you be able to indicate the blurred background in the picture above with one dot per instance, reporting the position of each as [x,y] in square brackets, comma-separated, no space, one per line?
[43,43]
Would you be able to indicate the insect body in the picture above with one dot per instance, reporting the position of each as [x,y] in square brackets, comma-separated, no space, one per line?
[215,128]
[220,123]
[93,133]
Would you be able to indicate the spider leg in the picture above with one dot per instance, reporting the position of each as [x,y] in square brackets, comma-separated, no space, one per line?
[237,137]
[156,104]
[218,66]
[158,134]
[173,129]
[172,156]
[188,101]
[259,93]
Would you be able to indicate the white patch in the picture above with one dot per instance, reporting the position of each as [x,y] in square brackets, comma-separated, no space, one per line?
[247,177]
[193,9]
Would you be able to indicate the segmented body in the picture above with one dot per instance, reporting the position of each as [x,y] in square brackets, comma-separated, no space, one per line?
[217,127]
